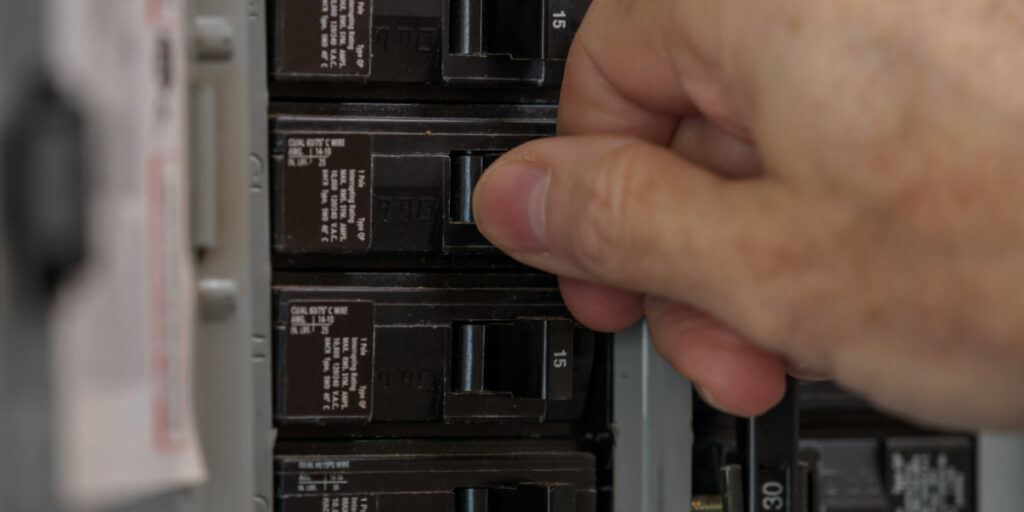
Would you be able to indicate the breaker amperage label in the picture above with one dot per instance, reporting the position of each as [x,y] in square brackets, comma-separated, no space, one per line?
[328,192]
[329,361]
[328,37]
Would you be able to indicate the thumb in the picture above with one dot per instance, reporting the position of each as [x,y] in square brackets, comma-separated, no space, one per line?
[626,213]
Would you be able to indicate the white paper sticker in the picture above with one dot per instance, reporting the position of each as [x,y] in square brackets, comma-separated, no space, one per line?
[124,324]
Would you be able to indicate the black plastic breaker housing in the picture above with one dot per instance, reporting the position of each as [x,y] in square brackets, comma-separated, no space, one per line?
[828,411]
[432,476]
[850,456]
[373,186]
[431,47]
[866,474]
[415,366]
[403,354]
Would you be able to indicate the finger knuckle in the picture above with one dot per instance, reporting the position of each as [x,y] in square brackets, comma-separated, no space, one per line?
[607,237]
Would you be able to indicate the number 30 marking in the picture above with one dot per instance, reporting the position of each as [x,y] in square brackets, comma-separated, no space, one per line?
[772,499]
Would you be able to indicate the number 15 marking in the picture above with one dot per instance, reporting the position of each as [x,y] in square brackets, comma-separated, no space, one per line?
[559,21]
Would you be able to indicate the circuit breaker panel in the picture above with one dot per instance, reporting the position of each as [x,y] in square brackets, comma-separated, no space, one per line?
[415,367]
[358,345]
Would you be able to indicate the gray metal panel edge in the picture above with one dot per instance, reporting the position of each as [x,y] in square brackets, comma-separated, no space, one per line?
[262,362]
[654,432]
[224,378]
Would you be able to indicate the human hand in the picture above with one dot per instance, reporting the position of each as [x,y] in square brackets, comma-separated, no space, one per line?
[829,187]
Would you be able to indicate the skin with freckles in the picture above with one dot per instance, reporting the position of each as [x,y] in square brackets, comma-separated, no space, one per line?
[820,187]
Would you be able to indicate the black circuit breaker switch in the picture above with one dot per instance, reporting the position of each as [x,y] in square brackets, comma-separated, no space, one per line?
[508,370]
[478,56]
[461,233]
[546,497]
[494,27]
[390,186]
[508,41]
[466,171]
[517,29]
[514,28]
[465,27]
[529,358]
[428,348]
[423,42]
[768,453]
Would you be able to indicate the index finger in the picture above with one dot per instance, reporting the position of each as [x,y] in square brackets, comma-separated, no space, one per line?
[637,66]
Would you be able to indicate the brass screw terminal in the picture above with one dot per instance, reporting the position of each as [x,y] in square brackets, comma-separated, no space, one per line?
[706,503]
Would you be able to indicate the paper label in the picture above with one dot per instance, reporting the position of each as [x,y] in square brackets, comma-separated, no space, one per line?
[124,324]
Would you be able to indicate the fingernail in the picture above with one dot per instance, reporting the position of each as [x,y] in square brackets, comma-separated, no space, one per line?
[805,372]
[509,206]
[704,395]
